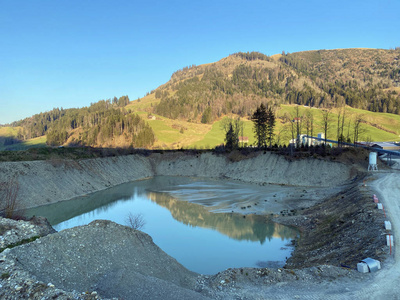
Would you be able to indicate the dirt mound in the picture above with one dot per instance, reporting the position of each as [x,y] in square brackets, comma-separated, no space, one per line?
[113,260]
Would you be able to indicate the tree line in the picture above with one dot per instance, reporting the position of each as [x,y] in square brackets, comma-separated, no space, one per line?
[264,121]
[38,124]
[300,122]
[99,124]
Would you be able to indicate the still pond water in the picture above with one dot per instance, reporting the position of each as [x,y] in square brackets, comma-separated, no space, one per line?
[202,241]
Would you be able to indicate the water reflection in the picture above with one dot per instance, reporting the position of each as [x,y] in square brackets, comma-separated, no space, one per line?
[201,240]
[100,201]
[239,227]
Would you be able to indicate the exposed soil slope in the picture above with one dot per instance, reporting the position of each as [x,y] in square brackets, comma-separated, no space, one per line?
[44,182]
[340,231]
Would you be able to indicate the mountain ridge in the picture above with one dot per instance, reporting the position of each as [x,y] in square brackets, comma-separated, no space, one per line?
[367,79]
[361,78]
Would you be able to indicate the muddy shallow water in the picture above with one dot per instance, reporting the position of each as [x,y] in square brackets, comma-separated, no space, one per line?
[181,216]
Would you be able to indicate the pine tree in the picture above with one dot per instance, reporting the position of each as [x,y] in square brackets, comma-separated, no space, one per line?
[270,125]
[231,138]
[260,120]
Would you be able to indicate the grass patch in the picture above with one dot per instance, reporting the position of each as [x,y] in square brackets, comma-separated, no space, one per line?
[175,134]
[144,104]
[216,136]
[25,241]
[378,127]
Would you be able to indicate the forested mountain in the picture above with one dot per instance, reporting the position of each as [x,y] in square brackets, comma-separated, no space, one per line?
[368,79]
[104,123]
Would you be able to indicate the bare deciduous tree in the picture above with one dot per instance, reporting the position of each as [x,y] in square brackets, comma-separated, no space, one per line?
[298,119]
[342,126]
[309,123]
[135,221]
[325,121]
[357,128]
[8,197]
[338,131]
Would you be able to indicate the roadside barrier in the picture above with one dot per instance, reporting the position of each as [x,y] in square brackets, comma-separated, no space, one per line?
[369,264]
[390,242]
[388,224]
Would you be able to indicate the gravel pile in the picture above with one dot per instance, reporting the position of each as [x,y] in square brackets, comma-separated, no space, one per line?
[102,259]
[15,281]
[265,283]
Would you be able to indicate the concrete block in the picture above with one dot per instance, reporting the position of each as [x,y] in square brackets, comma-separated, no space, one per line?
[379,264]
[373,264]
[362,267]
[388,225]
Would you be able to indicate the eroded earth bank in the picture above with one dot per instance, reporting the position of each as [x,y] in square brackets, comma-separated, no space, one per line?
[104,260]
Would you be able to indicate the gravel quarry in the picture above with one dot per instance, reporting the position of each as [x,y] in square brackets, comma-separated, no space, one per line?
[45,182]
[104,260]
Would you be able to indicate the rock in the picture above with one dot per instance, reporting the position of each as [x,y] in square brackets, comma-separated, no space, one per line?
[20,231]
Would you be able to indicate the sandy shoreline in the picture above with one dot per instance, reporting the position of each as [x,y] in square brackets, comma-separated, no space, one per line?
[228,196]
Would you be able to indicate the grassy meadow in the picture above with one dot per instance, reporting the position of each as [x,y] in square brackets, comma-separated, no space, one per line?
[176,134]
[375,127]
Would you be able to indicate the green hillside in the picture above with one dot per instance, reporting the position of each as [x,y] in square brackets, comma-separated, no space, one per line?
[175,134]
[366,79]
[187,111]
[377,127]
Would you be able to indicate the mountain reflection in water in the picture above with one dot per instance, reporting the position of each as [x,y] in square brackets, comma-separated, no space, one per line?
[201,240]
[239,227]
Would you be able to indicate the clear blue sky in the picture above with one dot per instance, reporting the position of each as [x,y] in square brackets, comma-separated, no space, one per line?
[67,53]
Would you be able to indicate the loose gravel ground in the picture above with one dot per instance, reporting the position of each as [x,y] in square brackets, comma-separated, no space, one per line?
[106,260]
[100,260]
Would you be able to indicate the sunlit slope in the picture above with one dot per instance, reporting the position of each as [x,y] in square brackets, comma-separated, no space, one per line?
[181,134]
[9,140]
[375,126]
[176,134]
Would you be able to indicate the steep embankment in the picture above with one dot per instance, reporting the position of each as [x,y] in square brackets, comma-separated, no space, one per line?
[44,182]
[264,168]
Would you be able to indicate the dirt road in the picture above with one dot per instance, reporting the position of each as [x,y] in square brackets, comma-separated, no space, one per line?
[387,282]
[384,284]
